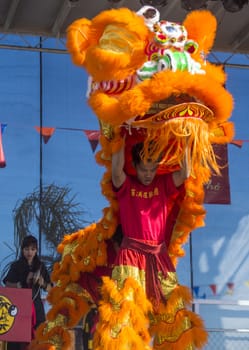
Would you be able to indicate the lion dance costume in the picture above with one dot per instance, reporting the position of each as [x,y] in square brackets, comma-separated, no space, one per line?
[150,79]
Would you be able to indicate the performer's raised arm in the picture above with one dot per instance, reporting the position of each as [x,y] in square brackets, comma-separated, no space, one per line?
[184,172]
[118,162]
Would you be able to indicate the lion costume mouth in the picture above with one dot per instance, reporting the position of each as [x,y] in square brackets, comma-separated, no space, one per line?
[182,110]
[171,124]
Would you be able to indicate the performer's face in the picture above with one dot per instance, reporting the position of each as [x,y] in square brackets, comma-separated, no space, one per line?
[146,172]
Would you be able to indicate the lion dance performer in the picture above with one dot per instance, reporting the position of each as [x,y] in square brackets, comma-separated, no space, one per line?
[149,82]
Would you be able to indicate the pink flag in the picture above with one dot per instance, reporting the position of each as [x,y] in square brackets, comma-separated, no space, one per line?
[230,285]
[213,288]
[238,143]
[93,138]
[2,158]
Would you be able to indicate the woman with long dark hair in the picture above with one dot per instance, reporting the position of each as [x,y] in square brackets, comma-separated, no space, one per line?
[29,272]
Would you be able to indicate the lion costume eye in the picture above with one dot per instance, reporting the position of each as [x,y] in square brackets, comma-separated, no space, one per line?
[164,63]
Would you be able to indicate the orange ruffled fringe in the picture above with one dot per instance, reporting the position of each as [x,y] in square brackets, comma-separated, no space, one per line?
[127,320]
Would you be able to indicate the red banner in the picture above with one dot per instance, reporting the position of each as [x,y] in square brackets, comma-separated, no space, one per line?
[217,190]
[15,314]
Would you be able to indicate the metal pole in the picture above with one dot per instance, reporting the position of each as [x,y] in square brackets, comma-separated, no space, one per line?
[191,269]
[41,158]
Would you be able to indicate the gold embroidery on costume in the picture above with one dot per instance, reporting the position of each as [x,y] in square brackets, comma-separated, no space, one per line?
[120,273]
[70,248]
[115,305]
[106,129]
[116,330]
[56,341]
[175,335]
[76,288]
[59,321]
[169,283]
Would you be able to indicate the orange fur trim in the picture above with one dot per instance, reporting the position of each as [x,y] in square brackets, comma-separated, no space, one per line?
[46,346]
[72,306]
[192,213]
[139,99]
[223,133]
[56,338]
[78,36]
[55,294]
[216,72]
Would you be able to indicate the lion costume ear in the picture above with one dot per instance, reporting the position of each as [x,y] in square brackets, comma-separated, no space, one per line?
[79,39]
[111,45]
[201,27]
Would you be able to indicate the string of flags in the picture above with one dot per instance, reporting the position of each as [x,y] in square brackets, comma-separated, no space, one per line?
[206,291]
[92,136]
[203,292]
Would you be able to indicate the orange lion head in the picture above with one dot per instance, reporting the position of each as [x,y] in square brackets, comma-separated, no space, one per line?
[152,75]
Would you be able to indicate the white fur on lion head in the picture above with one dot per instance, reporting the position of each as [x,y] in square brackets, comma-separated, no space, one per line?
[150,14]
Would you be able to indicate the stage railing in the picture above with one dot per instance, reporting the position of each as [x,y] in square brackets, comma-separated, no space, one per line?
[222,338]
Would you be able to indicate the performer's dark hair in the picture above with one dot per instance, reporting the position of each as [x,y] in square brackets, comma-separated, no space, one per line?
[136,153]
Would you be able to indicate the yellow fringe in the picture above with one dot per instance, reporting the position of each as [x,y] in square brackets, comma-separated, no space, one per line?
[123,317]
[178,134]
